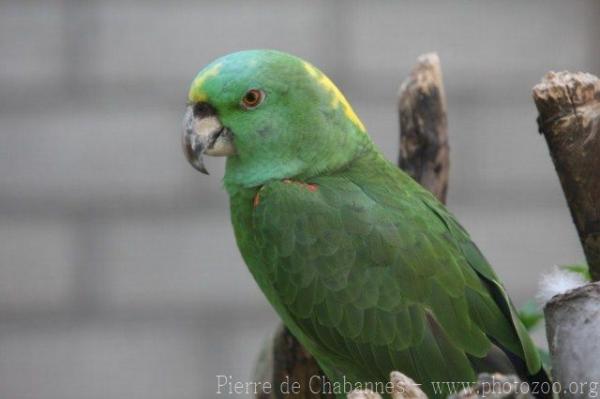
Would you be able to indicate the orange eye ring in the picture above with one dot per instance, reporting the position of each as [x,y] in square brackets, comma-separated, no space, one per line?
[253,98]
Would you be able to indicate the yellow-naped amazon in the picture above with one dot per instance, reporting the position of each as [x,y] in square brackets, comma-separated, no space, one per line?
[364,266]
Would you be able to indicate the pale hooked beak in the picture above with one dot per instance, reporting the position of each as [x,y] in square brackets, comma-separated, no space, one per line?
[203,133]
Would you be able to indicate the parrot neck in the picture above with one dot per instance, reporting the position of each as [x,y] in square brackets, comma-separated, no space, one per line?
[251,173]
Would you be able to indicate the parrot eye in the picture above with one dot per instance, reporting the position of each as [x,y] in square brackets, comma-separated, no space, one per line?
[252,98]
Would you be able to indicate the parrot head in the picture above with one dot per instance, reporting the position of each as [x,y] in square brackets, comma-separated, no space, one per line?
[273,116]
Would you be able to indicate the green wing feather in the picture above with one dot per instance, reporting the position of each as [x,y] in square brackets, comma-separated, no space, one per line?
[523,346]
[375,277]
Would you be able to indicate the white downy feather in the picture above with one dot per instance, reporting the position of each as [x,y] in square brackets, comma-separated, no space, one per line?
[558,281]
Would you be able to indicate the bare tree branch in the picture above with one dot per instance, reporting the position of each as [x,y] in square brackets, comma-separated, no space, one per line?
[569,119]
[572,326]
[424,152]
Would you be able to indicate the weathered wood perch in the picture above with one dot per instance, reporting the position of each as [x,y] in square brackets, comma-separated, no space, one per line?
[423,155]
[573,326]
[285,361]
[569,108]
[424,152]
[569,119]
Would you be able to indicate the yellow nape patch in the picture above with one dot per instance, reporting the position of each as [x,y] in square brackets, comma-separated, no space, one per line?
[338,98]
[196,93]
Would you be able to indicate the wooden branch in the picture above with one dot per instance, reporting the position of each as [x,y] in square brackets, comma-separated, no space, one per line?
[293,363]
[572,326]
[288,367]
[424,155]
[423,126]
[569,119]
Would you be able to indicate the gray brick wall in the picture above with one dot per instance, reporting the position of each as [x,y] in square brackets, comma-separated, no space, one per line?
[119,276]
[37,264]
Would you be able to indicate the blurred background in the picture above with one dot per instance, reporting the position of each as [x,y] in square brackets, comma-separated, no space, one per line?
[119,275]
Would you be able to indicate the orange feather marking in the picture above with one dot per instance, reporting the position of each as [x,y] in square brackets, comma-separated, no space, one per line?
[312,187]
[256,199]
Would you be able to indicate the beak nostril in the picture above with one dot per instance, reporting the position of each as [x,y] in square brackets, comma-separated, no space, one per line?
[203,109]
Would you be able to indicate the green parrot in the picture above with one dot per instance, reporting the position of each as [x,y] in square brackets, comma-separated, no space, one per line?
[367,269]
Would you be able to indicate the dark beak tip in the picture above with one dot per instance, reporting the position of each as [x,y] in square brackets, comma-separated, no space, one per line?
[199,165]
[193,152]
